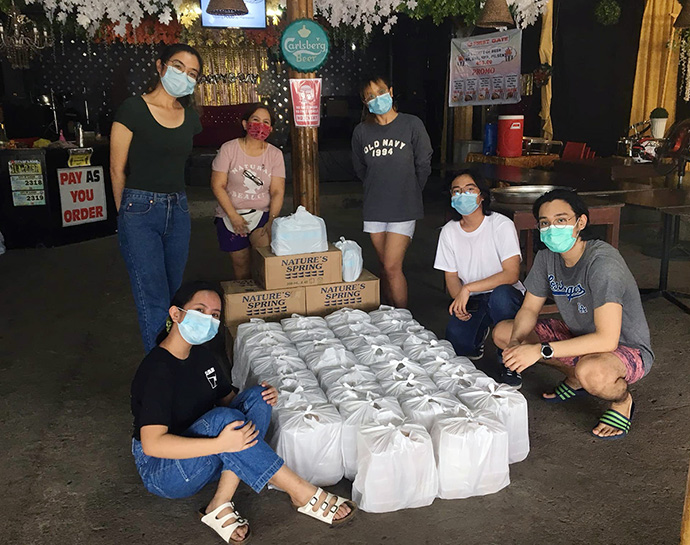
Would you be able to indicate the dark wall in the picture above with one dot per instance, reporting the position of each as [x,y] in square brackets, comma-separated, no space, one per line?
[594,72]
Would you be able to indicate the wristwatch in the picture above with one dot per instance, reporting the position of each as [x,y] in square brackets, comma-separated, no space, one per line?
[546,351]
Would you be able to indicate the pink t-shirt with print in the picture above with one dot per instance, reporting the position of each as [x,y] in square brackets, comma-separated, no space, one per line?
[244,174]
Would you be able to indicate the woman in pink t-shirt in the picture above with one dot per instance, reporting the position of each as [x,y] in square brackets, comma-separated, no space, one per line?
[248,180]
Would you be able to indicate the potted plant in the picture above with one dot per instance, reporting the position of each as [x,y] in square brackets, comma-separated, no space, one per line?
[659,117]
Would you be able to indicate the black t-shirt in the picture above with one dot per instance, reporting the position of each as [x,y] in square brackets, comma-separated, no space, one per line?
[175,393]
[157,154]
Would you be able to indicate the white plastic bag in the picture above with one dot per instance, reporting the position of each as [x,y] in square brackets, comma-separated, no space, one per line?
[329,358]
[392,326]
[386,313]
[351,330]
[395,468]
[429,350]
[317,346]
[299,397]
[351,391]
[510,407]
[353,262]
[265,367]
[471,455]
[415,334]
[310,441]
[461,380]
[403,387]
[356,374]
[296,322]
[448,365]
[299,233]
[268,343]
[359,412]
[360,341]
[289,380]
[427,409]
[301,335]
[384,370]
[253,326]
[369,355]
[347,316]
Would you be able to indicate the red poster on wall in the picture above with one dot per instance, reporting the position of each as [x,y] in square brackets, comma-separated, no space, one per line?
[306,101]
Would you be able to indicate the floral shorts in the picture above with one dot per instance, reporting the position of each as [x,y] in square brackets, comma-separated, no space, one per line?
[549,330]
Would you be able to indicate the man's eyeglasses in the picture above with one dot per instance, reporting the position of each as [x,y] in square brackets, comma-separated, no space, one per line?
[558,222]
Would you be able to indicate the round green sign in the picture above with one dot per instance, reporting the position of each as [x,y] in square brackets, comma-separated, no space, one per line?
[304,45]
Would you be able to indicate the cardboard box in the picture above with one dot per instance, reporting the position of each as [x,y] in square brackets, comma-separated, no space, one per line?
[278,272]
[362,294]
[244,300]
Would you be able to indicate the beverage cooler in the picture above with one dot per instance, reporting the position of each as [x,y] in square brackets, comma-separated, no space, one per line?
[55,196]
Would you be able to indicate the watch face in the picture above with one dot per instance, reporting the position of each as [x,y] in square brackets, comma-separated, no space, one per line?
[546,350]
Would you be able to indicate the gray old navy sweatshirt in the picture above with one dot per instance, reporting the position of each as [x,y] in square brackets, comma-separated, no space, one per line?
[393,161]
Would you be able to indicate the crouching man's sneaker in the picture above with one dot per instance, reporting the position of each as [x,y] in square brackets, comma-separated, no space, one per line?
[511,378]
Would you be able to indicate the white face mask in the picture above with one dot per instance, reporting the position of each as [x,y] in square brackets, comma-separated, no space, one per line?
[197,327]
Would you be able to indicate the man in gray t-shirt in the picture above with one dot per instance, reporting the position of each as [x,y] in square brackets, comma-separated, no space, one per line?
[602,344]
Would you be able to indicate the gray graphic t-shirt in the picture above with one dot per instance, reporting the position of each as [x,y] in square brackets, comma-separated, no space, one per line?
[600,276]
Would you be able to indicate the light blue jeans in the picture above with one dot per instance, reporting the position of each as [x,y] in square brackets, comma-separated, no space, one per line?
[153,230]
[182,478]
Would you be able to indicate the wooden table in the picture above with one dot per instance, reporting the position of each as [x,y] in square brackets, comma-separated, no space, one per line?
[601,212]
[525,161]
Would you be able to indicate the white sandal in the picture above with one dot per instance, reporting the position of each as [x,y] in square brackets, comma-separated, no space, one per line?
[308,508]
[225,532]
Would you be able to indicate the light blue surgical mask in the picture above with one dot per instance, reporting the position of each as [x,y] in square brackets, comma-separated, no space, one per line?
[176,83]
[197,327]
[558,239]
[464,203]
[381,104]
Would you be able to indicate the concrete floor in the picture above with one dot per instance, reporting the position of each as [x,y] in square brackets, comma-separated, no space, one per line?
[69,345]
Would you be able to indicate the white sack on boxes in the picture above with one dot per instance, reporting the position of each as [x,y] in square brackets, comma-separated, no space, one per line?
[510,407]
[386,313]
[395,468]
[427,409]
[301,335]
[299,233]
[347,391]
[310,441]
[471,455]
[317,346]
[415,334]
[347,316]
[361,341]
[353,262]
[402,386]
[360,412]
[296,322]
[384,370]
[351,330]
[370,355]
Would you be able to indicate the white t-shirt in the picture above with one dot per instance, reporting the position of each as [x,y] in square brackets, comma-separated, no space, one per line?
[479,254]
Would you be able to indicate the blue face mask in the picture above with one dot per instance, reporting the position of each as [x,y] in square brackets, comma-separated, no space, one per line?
[558,239]
[176,83]
[381,104]
[197,327]
[464,203]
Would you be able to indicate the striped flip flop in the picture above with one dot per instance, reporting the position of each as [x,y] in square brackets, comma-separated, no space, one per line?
[618,421]
[565,393]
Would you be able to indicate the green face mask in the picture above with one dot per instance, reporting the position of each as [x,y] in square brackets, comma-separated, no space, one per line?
[558,239]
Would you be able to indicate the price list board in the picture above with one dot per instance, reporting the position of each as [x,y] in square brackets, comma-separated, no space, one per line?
[27,181]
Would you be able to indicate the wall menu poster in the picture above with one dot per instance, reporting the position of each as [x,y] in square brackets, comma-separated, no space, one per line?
[485,70]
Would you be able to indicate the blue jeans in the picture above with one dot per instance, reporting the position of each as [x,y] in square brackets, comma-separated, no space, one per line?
[487,309]
[182,478]
[153,231]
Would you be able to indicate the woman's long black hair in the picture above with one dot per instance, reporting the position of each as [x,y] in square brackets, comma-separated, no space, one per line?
[184,295]
[484,191]
[165,55]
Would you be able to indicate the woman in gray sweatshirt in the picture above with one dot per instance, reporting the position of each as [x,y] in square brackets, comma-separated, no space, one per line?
[391,153]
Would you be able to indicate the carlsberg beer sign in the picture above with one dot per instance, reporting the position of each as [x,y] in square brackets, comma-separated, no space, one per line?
[304,45]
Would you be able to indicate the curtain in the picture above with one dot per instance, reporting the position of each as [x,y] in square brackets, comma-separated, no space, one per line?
[546,56]
[656,75]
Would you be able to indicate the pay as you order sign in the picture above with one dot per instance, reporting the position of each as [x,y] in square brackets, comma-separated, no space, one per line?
[82,195]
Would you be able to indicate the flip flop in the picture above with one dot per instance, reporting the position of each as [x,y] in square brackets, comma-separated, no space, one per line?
[565,393]
[618,421]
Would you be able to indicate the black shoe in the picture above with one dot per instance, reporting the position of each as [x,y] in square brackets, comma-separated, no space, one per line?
[480,352]
[511,378]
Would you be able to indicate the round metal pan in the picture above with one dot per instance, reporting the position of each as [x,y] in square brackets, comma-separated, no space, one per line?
[522,194]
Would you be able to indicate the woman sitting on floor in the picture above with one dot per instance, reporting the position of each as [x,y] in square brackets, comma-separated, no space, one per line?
[191,428]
